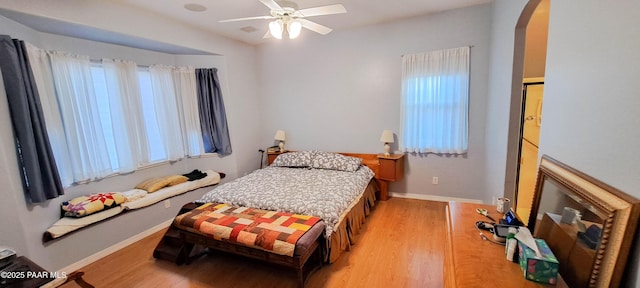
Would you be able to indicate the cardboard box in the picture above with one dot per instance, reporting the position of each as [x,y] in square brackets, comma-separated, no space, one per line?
[540,269]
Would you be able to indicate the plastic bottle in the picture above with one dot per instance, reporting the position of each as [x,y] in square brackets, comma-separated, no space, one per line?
[512,242]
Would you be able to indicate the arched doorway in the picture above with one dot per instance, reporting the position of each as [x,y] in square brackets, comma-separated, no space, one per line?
[525,116]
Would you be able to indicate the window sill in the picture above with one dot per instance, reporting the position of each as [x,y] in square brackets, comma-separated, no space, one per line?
[148,166]
[206,155]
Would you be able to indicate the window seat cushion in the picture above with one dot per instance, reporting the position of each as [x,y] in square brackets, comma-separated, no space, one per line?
[170,191]
[153,184]
[68,224]
[135,200]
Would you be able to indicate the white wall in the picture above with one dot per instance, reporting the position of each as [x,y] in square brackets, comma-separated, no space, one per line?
[505,17]
[237,74]
[591,103]
[338,92]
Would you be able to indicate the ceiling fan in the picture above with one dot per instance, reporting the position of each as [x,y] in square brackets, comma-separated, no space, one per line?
[287,16]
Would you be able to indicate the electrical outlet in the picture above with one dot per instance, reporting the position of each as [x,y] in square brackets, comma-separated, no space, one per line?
[434,181]
[167,203]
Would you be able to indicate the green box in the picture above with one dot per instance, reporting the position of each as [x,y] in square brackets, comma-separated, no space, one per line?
[540,269]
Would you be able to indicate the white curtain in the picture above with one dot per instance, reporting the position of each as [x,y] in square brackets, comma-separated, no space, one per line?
[184,79]
[41,69]
[83,128]
[125,108]
[435,102]
[166,108]
[95,119]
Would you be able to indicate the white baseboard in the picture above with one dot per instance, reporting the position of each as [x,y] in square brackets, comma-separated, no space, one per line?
[99,255]
[433,197]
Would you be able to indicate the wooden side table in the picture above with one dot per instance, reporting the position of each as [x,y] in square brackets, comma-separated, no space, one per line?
[391,170]
[271,156]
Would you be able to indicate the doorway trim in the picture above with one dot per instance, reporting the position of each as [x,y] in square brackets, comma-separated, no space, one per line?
[515,108]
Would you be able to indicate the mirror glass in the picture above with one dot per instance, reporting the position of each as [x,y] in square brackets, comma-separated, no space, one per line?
[571,209]
[562,220]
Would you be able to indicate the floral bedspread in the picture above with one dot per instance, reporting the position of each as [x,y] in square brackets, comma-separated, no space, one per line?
[318,192]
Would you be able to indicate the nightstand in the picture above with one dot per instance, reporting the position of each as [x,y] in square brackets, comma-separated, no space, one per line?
[391,170]
[272,156]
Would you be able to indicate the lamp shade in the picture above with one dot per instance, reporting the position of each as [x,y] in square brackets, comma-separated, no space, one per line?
[280,136]
[293,28]
[275,28]
[387,136]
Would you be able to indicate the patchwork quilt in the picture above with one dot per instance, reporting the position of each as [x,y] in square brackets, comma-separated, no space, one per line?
[276,232]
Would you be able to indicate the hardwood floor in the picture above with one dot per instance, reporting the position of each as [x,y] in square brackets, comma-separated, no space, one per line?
[402,245]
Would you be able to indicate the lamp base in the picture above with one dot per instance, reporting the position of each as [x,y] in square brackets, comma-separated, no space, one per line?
[281,145]
[387,149]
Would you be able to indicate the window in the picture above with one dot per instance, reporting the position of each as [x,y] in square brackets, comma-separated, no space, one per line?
[156,152]
[114,117]
[100,90]
[435,102]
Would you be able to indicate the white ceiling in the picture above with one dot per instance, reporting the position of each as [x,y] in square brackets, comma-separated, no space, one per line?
[359,13]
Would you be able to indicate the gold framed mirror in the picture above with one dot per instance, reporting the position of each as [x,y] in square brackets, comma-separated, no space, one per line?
[588,224]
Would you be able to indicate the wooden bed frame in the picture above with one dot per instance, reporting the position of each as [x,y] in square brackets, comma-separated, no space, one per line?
[179,246]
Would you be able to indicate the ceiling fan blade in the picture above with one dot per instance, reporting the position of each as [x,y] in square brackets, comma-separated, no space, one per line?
[323,10]
[315,27]
[271,4]
[248,18]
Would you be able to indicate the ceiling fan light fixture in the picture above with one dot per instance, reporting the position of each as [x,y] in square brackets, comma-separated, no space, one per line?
[293,28]
[275,28]
[285,13]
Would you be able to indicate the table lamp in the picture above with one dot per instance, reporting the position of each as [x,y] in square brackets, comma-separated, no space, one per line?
[386,138]
[280,137]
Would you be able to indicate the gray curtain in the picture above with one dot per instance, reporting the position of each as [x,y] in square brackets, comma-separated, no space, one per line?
[213,118]
[40,176]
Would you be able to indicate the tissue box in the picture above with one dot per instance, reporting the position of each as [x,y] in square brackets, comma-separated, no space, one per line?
[540,269]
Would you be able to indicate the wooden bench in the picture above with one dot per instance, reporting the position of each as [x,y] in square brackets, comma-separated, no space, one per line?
[180,246]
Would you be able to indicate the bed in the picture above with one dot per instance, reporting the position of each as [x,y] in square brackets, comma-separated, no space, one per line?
[339,189]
